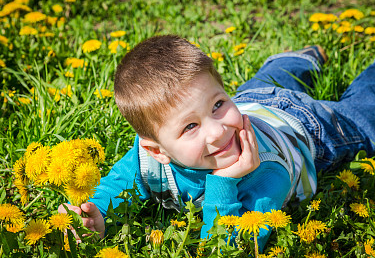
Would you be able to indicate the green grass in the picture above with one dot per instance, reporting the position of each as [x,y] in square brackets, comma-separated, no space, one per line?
[267,27]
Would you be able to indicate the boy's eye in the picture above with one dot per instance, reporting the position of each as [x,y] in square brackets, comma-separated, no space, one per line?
[189,127]
[218,105]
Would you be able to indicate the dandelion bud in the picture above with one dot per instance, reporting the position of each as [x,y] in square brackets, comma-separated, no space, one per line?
[147,230]
[156,238]
[126,229]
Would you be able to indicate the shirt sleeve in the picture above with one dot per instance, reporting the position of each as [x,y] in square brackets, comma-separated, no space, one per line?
[121,177]
[262,190]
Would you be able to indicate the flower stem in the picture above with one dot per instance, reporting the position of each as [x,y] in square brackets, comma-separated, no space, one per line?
[256,245]
[33,201]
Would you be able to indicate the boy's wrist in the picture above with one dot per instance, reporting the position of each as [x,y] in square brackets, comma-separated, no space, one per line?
[221,189]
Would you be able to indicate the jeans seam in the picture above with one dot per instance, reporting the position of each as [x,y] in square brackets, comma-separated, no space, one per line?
[313,60]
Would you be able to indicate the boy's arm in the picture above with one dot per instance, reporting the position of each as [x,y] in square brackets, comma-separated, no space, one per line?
[262,190]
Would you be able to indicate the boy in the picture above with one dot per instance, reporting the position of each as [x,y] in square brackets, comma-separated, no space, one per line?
[195,141]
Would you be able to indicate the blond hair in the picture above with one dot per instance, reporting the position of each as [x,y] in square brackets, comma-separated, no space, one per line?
[152,78]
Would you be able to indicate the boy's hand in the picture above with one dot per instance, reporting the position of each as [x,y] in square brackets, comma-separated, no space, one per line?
[94,221]
[248,160]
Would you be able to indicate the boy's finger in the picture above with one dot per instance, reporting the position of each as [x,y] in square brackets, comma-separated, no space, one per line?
[90,209]
[62,209]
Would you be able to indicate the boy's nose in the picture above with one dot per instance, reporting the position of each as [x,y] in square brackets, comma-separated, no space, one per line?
[214,132]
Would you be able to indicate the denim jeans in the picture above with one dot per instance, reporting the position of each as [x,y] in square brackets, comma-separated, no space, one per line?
[339,129]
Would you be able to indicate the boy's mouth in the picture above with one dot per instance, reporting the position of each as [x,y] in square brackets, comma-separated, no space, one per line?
[225,148]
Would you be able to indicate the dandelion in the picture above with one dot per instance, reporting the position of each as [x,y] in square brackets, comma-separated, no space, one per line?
[239,52]
[352,13]
[70,1]
[368,247]
[317,17]
[233,83]
[61,22]
[36,230]
[87,174]
[314,205]
[51,53]
[368,165]
[360,209]
[57,8]
[372,13]
[19,168]
[195,43]
[358,28]
[55,93]
[228,220]
[252,221]
[16,226]
[4,40]
[12,7]
[51,20]
[25,101]
[315,26]
[156,238]
[104,93]
[315,255]
[239,46]
[278,218]
[178,224]
[69,74]
[61,221]
[10,213]
[74,62]
[31,148]
[118,33]
[114,45]
[20,184]
[275,251]
[2,63]
[370,30]
[67,91]
[91,45]
[308,232]
[111,253]
[349,178]
[34,17]
[37,163]
[230,29]
[217,56]
[343,29]
[372,39]
[78,195]
[27,30]
[95,150]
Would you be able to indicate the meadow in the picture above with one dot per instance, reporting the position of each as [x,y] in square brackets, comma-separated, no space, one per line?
[57,62]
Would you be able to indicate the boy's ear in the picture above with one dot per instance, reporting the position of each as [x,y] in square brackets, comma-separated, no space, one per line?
[154,149]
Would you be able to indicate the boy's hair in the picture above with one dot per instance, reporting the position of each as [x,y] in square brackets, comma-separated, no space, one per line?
[152,78]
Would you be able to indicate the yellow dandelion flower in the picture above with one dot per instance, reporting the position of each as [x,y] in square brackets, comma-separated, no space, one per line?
[360,209]
[95,150]
[22,1]
[61,22]
[368,247]
[20,184]
[10,213]
[315,26]
[31,148]
[91,45]
[358,28]
[78,195]
[239,46]
[314,205]
[104,93]
[51,20]
[217,56]
[370,30]
[195,43]
[69,74]
[114,45]
[4,40]
[275,251]
[156,238]
[252,221]
[278,218]
[37,163]
[55,93]
[2,63]
[345,39]
[310,231]
[36,230]
[51,53]
[16,226]
[61,221]
[19,168]
[343,29]
[25,101]
[315,255]
[317,17]
[111,253]
[317,225]
[228,220]
[34,17]
[352,13]
[70,1]
[59,172]
[368,166]
[230,29]
[330,17]
[75,62]
[67,91]
[27,30]
[57,8]
[372,39]
[87,174]
[233,83]
[118,33]
[372,13]
[178,224]
[349,178]
[12,7]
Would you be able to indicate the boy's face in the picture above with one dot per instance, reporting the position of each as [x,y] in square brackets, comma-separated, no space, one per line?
[202,131]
